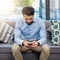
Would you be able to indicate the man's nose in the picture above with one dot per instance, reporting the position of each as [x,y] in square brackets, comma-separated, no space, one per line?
[29,20]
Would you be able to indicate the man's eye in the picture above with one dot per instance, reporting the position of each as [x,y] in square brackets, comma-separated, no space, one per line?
[30,18]
[26,19]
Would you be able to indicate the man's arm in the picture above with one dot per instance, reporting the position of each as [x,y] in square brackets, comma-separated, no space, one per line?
[18,33]
[42,34]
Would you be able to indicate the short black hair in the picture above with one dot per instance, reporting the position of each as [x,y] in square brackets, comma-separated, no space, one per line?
[28,10]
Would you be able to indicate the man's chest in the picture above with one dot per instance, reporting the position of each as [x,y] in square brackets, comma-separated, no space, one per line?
[30,29]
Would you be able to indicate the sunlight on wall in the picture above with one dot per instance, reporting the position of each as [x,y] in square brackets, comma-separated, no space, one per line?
[6,6]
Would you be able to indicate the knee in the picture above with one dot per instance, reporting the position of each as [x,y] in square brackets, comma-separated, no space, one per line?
[46,49]
[15,48]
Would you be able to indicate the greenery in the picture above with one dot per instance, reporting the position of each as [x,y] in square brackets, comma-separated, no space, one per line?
[22,2]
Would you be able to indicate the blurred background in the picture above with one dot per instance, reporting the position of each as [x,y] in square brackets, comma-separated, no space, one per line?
[45,9]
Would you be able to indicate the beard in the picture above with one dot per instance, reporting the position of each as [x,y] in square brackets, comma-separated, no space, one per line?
[29,23]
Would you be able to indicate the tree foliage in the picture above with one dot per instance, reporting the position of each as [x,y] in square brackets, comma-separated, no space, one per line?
[23,2]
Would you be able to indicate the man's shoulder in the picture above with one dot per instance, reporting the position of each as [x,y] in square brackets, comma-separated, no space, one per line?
[20,20]
[39,20]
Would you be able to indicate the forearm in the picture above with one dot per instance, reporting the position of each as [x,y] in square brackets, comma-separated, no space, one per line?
[42,41]
[18,41]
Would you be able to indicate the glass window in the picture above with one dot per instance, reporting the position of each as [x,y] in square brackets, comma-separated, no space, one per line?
[35,4]
[54,9]
[50,11]
[42,9]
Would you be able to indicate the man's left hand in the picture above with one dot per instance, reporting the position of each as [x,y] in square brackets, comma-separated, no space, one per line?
[34,44]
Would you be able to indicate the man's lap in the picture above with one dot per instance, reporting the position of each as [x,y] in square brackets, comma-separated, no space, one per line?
[38,48]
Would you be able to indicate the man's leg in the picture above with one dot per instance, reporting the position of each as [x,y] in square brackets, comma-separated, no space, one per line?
[16,50]
[45,50]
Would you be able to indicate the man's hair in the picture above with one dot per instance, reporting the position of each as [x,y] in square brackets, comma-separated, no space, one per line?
[28,11]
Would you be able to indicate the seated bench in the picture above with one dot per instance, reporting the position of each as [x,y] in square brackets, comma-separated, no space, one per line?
[6,53]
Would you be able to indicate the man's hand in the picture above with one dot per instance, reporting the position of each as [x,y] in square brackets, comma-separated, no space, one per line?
[25,43]
[30,44]
[34,44]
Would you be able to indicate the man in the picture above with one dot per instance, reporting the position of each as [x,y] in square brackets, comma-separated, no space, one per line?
[30,33]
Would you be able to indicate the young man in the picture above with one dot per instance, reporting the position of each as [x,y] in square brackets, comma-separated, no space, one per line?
[30,33]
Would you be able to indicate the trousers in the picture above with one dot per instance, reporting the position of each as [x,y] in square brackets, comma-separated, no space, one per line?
[44,49]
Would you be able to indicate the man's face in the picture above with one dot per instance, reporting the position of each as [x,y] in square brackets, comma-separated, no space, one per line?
[29,19]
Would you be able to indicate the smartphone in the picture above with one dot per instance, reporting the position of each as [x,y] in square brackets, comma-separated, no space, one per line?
[30,43]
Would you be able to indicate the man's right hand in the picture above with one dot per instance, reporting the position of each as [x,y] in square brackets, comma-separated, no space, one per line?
[25,43]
